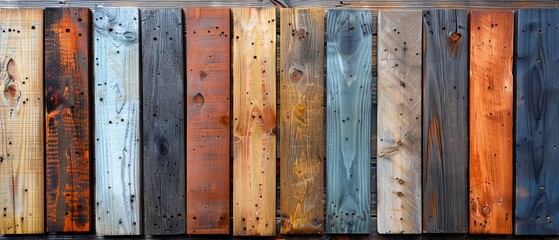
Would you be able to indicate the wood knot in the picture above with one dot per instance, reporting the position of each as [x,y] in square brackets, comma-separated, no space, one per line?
[400,143]
[199,99]
[402,83]
[301,32]
[485,210]
[162,146]
[400,181]
[400,194]
[297,75]
[203,74]
[455,36]
[225,120]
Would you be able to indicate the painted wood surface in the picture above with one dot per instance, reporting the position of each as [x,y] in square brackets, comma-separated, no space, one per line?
[348,121]
[68,112]
[164,180]
[254,121]
[537,132]
[491,85]
[208,120]
[302,121]
[117,126]
[21,122]
[445,121]
[399,121]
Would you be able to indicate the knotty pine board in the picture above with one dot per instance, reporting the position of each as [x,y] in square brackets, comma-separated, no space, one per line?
[491,99]
[208,107]
[254,121]
[68,112]
[302,120]
[21,122]
[348,121]
[537,132]
[117,121]
[445,121]
[399,121]
[164,180]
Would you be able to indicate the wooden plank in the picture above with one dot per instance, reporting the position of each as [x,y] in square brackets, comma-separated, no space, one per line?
[302,121]
[537,134]
[117,126]
[21,122]
[208,120]
[445,121]
[163,132]
[348,121]
[67,32]
[254,124]
[491,94]
[399,121]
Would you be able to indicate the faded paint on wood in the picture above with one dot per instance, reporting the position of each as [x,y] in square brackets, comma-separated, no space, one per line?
[348,121]
[302,121]
[117,126]
[21,122]
[537,132]
[254,121]
[208,120]
[399,122]
[491,85]
[164,180]
[67,71]
[445,121]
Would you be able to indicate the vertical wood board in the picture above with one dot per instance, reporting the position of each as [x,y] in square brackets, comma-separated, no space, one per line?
[164,180]
[67,71]
[445,121]
[117,121]
[537,132]
[399,122]
[302,121]
[491,85]
[348,121]
[21,122]
[208,105]
[254,121]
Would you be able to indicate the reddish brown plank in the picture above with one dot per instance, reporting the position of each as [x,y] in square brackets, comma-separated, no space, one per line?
[67,119]
[491,86]
[208,116]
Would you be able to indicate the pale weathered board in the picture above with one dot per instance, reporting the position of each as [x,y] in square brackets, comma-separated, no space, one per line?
[399,122]
[21,122]
[491,106]
[208,105]
[302,121]
[254,121]
[445,121]
[117,121]
[163,134]
[348,121]
[537,132]
[68,124]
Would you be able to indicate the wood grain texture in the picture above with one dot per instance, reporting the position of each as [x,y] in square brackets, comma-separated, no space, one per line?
[399,122]
[348,121]
[164,180]
[302,121]
[491,85]
[445,121]
[21,122]
[208,123]
[117,116]
[68,132]
[254,123]
[537,132]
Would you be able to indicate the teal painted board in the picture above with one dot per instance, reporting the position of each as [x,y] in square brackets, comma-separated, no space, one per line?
[537,112]
[117,121]
[445,121]
[348,121]
[164,179]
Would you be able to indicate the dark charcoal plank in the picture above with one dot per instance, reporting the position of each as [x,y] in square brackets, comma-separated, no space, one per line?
[163,121]
[445,121]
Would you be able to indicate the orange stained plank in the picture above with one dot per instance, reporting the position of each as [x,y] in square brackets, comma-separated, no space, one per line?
[491,106]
